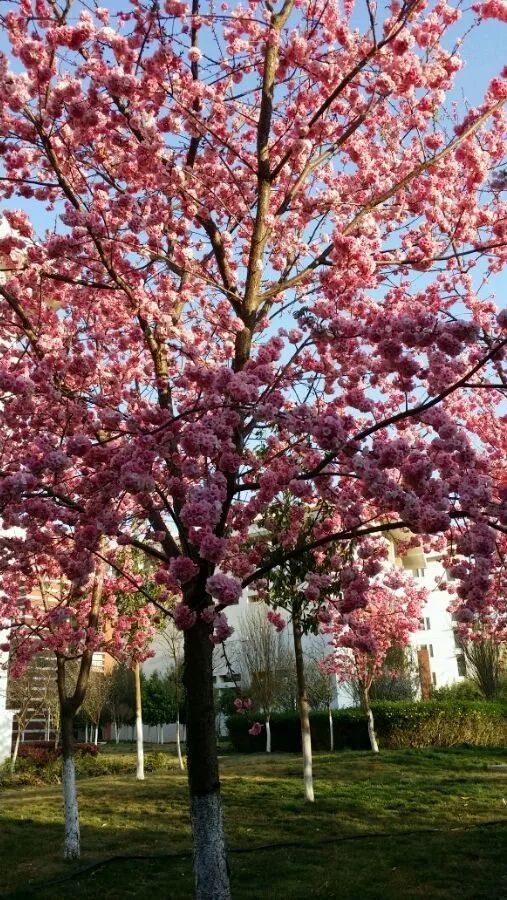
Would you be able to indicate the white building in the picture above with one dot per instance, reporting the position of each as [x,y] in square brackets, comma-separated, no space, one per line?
[437,631]
[446,660]
[6,715]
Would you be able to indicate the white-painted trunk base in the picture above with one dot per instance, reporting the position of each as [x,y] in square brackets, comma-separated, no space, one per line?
[210,862]
[371,732]
[140,749]
[308,768]
[71,846]
[331,732]
[15,753]
[178,745]
[309,794]
[268,736]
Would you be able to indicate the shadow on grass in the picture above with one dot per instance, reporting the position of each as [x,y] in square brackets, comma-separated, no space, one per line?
[327,853]
[468,864]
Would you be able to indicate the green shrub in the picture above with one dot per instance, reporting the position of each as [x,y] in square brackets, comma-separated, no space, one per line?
[34,771]
[441,724]
[398,724]
[466,689]
[156,760]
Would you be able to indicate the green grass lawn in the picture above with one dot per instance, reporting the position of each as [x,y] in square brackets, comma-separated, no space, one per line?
[335,848]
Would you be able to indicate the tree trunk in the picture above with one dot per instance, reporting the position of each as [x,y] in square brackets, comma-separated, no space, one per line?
[369,718]
[331,731]
[210,862]
[161,734]
[15,752]
[268,734]
[71,844]
[139,724]
[116,733]
[96,736]
[304,711]
[178,742]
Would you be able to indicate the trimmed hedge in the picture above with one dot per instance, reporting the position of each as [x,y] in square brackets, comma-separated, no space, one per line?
[32,771]
[43,752]
[398,724]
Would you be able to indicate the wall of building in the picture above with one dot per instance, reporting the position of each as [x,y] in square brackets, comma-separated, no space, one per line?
[436,632]
[6,715]
[437,627]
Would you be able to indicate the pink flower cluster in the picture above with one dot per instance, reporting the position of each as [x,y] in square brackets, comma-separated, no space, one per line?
[183,617]
[227,590]
[276,620]
[242,705]
[255,729]
[182,568]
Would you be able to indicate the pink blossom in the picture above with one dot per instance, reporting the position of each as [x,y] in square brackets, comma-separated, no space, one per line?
[255,729]
[242,704]
[222,629]
[183,617]
[182,569]
[276,620]
[226,589]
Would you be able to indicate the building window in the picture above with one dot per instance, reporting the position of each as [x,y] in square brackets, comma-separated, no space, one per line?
[434,679]
[462,666]
[431,650]
[424,624]
[420,573]
[231,678]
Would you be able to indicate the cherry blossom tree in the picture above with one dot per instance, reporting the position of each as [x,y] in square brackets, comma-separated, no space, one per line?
[27,695]
[48,614]
[245,256]
[363,637]
[300,586]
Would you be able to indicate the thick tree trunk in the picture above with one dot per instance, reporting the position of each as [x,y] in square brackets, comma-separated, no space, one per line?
[178,742]
[210,862]
[304,711]
[369,719]
[331,730]
[139,724]
[71,844]
[14,756]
